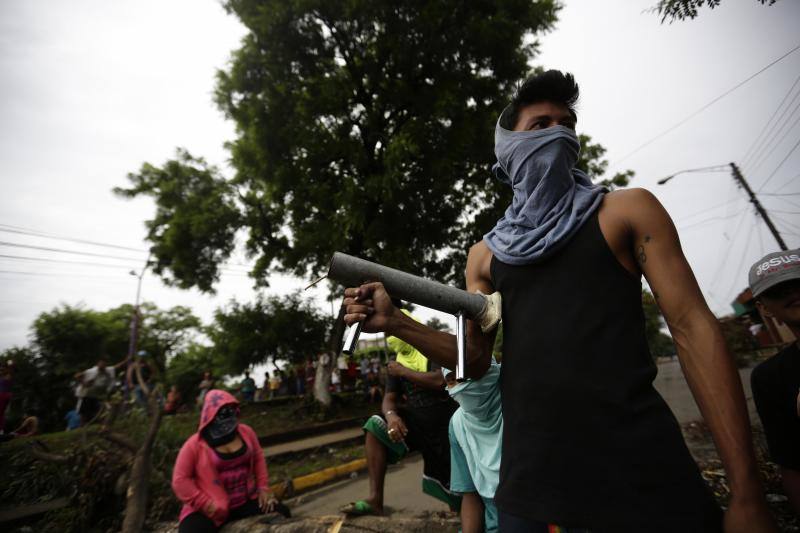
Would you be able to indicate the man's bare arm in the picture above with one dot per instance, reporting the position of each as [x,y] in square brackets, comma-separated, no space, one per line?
[389,403]
[433,380]
[704,357]
[370,304]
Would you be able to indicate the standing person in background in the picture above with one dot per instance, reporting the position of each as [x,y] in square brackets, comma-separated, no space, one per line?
[248,388]
[265,388]
[336,380]
[283,387]
[206,384]
[300,377]
[274,384]
[146,370]
[96,383]
[775,283]
[352,374]
[173,401]
[373,388]
[6,382]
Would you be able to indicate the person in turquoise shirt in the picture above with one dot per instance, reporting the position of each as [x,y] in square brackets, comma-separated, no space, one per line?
[476,437]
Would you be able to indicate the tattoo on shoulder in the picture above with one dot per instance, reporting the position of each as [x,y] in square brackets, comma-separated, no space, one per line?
[641,256]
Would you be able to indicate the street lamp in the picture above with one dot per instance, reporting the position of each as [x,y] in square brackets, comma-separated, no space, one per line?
[135,318]
[739,178]
[715,168]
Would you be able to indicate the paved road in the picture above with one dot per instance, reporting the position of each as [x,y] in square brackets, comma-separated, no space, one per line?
[403,492]
[673,387]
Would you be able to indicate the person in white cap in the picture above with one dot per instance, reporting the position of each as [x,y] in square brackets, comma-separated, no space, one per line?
[775,282]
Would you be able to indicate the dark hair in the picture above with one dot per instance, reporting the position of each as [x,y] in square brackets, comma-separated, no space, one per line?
[552,86]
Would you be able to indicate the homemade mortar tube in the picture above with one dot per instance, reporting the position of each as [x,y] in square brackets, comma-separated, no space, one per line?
[352,272]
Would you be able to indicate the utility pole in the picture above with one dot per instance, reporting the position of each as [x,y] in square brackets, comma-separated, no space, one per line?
[737,175]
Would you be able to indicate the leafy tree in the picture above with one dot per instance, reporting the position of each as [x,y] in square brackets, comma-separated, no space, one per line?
[592,162]
[438,325]
[673,10]
[195,222]
[358,124]
[660,343]
[186,369]
[269,329]
[69,339]
[165,333]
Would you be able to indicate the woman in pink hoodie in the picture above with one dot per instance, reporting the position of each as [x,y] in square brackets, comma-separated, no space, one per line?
[220,474]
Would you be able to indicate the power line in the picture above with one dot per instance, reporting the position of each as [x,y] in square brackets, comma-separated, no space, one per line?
[781,195]
[707,210]
[741,259]
[712,219]
[724,262]
[53,274]
[764,129]
[788,224]
[60,261]
[785,200]
[703,108]
[774,141]
[35,233]
[780,164]
[787,183]
[61,250]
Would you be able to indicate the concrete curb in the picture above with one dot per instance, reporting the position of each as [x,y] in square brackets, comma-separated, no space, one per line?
[311,431]
[287,489]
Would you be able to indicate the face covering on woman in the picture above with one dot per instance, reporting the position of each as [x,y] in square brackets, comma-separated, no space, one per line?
[552,199]
[222,429]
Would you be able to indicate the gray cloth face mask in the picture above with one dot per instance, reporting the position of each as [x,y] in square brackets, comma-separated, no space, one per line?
[552,199]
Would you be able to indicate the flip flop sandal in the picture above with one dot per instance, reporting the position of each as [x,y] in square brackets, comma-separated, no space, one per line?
[358,508]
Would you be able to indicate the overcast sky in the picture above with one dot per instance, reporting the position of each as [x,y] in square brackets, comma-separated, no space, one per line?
[91,89]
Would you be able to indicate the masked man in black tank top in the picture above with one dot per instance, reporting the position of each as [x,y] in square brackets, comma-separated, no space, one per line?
[588,443]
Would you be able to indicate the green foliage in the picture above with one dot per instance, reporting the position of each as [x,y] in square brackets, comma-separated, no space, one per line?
[186,369]
[69,339]
[439,325]
[591,161]
[673,10]
[195,222]
[660,343]
[363,126]
[739,340]
[287,328]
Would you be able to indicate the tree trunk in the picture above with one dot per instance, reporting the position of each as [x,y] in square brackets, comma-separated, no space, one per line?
[322,379]
[136,506]
[325,362]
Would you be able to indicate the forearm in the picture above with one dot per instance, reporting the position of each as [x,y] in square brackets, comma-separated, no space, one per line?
[389,403]
[471,513]
[429,380]
[439,346]
[717,389]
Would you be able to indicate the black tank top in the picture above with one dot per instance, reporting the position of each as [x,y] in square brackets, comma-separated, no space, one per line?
[588,442]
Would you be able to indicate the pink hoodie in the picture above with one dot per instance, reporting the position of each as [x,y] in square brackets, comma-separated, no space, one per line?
[194,478]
